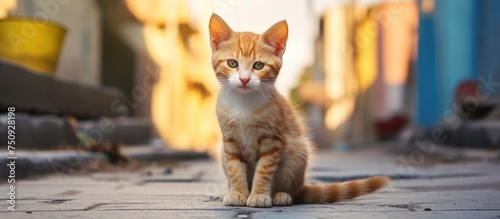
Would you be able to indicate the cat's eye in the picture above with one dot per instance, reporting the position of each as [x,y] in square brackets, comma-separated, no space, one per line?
[258,65]
[232,63]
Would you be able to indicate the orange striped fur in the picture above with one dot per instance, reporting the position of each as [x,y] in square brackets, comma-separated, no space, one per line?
[265,152]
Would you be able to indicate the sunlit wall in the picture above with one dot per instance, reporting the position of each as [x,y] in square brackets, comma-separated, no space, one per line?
[6,6]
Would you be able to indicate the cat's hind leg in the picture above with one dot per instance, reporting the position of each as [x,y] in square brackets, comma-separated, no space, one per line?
[282,199]
[290,175]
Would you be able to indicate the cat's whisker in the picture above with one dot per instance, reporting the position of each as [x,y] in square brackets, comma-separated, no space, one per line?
[259,90]
[264,91]
[270,89]
[267,92]
[226,86]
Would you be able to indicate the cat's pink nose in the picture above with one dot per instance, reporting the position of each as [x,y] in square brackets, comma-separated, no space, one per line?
[244,81]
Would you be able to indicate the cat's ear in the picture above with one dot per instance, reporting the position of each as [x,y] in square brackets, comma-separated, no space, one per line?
[219,31]
[276,37]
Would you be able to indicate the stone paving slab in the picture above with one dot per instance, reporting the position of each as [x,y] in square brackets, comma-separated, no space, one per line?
[40,207]
[461,200]
[194,189]
[346,166]
[371,215]
[219,206]
[267,214]
[451,183]
[174,214]
[62,191]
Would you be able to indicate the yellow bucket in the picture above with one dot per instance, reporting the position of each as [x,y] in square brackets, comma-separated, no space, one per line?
[35,44]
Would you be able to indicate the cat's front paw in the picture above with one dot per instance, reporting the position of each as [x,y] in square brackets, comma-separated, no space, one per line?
[235,199]
[259,201]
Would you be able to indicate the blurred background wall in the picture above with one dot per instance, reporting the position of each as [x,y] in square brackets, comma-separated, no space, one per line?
[80,58]
[361,70]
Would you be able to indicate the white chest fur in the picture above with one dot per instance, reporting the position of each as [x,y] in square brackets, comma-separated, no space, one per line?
[243,105]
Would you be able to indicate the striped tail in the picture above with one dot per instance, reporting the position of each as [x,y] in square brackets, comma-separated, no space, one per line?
[330,193]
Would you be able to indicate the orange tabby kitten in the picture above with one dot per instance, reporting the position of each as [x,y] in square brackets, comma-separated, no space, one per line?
[265,151]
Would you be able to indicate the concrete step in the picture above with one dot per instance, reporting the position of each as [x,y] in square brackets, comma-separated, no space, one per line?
[41,94]
[52,132]
[30,163]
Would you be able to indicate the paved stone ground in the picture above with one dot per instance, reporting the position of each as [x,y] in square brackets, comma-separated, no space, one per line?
[426,185]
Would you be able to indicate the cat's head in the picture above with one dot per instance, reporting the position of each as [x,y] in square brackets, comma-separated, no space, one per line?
[246,61]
